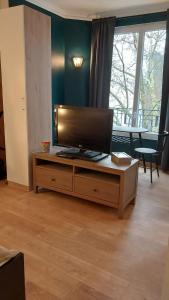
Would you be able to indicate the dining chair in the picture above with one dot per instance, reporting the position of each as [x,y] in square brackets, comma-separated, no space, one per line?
[154,154]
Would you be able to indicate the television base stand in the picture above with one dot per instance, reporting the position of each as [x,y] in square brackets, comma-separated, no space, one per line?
[76,153]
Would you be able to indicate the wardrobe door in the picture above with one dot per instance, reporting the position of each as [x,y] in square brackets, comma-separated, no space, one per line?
[38,79]
[2,135]
[12,48]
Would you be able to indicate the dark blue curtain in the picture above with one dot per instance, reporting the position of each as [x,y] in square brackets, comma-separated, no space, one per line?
[101,61]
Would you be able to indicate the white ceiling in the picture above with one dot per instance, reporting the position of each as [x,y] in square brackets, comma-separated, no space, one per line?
[88,9]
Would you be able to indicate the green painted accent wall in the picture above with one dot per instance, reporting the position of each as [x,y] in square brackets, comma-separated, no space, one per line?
[77,43]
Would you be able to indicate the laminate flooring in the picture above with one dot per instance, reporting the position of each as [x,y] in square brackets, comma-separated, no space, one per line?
[79,250]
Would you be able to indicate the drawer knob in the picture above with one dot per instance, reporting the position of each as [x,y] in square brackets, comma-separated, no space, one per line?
[95,190]
[53,179]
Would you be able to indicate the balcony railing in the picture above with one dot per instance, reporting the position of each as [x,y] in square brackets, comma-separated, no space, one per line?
[149,119]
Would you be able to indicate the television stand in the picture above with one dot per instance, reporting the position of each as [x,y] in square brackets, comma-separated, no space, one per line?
[103,182]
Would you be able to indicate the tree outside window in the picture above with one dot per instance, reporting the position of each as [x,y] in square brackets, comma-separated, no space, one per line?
[136,78]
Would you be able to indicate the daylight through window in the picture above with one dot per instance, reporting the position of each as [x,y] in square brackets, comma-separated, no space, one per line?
[136,77]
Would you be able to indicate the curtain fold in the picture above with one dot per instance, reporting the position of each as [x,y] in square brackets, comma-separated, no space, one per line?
[101,61]
[164,116]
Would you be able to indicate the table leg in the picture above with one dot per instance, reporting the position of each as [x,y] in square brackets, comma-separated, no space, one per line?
[140,139]
[131,144]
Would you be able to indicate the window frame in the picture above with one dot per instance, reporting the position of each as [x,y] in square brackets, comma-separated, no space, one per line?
[141,29]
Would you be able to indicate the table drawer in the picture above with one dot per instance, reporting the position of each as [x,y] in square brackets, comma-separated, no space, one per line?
[97,189]
[46,177]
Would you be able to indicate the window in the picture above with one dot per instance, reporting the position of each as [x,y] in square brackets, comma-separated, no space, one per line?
[136,77]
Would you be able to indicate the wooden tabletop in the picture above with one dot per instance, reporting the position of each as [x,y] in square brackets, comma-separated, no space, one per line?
[129,129]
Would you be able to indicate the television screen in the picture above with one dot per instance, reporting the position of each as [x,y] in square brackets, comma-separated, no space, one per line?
[85,128]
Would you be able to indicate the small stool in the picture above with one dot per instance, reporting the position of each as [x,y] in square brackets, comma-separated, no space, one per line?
[156,153]
[151,152]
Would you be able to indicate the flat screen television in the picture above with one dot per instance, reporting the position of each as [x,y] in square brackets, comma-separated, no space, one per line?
[84,128]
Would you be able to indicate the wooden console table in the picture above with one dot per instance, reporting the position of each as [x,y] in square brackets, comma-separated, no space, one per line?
[103,182]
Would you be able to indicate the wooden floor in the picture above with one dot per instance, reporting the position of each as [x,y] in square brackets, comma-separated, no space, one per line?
[77,250]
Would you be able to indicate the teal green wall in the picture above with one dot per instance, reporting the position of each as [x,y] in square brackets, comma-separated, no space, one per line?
[77,43]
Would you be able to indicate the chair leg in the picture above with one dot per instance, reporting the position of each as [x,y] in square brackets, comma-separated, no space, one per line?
[144,163]
[157,168]
[151,171]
